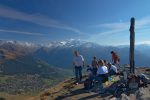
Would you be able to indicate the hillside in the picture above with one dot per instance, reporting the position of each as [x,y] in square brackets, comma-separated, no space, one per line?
[67,90]
[22,73]
[29,75]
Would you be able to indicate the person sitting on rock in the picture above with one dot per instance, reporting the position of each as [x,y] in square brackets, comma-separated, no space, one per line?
[88,82]
[106,63]
[102,74]
[112,69]
[90,72]
[102,71]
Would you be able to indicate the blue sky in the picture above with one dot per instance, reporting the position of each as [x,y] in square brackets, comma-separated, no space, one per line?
[105,22]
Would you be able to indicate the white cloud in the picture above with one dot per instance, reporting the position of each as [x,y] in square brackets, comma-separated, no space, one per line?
[35,18]
[118,27]
[114,33]
[114,26]
[20,32]
[143,42]
[143,22]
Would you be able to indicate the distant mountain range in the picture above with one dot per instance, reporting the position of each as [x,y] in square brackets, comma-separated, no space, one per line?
[60,53]
[21,72]
[17,58]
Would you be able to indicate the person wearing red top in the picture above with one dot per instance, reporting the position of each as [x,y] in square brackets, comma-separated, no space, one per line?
[115,58]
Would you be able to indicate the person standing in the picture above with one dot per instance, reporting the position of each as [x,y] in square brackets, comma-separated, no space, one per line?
[78,63]
[115,58]
[94,65]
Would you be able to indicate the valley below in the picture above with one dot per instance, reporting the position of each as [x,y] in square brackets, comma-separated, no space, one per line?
[26,69]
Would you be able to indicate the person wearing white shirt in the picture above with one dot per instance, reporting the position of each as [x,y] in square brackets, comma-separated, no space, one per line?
[112,69]
[78,63]
[102,75]
[102,71]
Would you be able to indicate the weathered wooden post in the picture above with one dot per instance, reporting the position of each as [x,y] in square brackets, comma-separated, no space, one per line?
[132,40]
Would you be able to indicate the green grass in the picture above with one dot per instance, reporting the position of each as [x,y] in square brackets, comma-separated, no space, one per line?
[48,81]
[5,78]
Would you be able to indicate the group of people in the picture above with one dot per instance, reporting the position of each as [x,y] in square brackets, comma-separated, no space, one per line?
[99,69]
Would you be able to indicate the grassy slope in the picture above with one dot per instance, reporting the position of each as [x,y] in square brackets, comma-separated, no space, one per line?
[14,97]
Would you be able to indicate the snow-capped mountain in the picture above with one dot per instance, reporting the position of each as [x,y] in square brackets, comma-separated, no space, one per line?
[60,53]
[70,44]
[17,43]
[54,44]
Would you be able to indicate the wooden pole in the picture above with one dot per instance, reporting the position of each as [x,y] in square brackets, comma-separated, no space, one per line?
[132,40]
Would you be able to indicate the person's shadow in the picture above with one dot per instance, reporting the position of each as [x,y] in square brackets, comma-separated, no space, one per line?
[2,98]
[72,93]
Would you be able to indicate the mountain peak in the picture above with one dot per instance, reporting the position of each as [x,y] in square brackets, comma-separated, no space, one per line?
[13,42]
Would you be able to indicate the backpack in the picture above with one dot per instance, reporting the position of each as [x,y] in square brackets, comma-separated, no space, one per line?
[133,81]
[87,84]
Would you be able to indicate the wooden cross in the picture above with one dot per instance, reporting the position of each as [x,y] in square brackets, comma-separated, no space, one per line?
[132,40]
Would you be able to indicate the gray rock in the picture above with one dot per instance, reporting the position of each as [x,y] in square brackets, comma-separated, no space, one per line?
[114,98]
[124,97]
[142,94]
